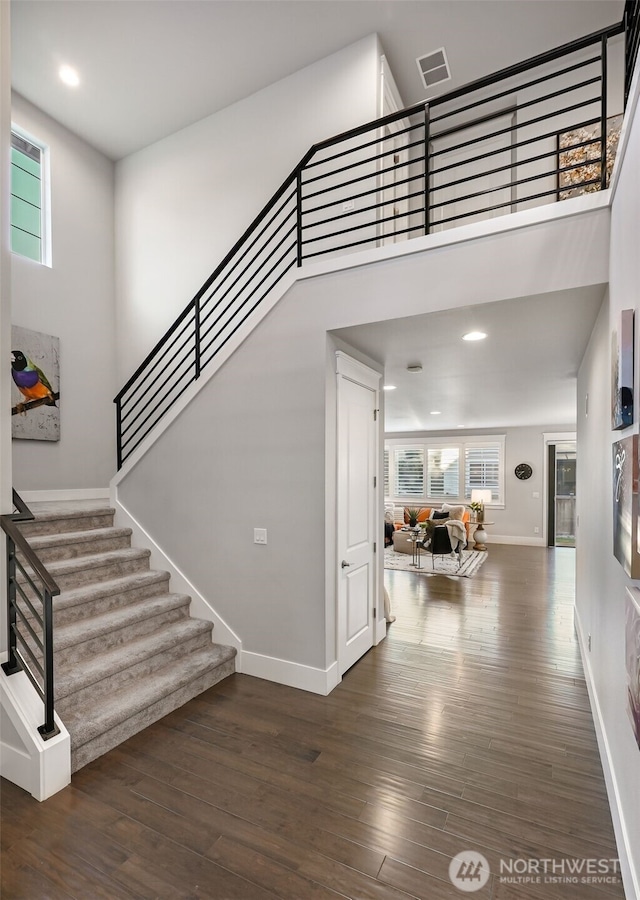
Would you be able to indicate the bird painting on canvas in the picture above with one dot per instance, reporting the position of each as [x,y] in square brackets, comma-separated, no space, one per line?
[31,381]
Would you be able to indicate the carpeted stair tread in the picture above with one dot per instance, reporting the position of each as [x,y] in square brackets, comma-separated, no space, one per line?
[57,520]
[79,632]
[88,672]
[95,560]
[90,722]
[87,595]
[43,542]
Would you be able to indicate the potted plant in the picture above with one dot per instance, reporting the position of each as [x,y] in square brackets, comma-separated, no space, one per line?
[477,509]
[412,514]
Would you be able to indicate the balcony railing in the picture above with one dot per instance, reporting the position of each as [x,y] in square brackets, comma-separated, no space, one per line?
[522,137]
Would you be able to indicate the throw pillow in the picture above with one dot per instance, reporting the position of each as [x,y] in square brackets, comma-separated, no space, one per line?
[438,514]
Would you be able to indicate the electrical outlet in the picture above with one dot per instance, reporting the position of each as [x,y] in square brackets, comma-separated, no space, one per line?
[536,495]
[536,530]
[348,204]
[259,535]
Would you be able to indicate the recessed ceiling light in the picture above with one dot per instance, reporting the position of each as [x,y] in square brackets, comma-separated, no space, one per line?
[414,368]
[389,387]
[436,412]
[459,426]
[69,76]
[474,336]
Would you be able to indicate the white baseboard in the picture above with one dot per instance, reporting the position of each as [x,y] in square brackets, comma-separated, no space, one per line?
[630,878]
[282,671]
[514,539]
[200,606]
[71,494]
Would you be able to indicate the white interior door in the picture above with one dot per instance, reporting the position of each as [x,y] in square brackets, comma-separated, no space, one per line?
[357,511]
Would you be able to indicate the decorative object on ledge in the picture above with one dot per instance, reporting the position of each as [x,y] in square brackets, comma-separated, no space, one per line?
[632,655]
[625,504]
[35,370]
[579,158]
[622,365]
[523,471]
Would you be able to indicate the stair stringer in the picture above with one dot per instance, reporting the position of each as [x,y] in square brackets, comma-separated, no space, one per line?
[40,767]
[200,607]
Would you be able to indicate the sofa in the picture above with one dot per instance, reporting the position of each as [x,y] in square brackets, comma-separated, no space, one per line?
[457,514]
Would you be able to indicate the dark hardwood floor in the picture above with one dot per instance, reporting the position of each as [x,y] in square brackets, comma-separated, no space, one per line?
[467,729]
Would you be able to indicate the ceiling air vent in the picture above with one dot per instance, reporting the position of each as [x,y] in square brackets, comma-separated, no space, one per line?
[433,68]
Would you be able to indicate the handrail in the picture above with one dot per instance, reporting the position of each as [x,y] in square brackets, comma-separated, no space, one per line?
[239,284]
[16,615]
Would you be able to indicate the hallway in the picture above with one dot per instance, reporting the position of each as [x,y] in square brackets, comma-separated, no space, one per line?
[469,728]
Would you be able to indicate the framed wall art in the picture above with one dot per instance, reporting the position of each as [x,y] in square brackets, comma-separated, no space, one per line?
[632,658]
[622,366]
[625,505]
[35,391]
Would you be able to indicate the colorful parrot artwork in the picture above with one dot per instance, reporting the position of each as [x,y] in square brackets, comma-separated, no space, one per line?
[30,380]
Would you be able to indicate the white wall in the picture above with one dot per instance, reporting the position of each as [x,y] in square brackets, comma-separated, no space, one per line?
[250,449]
[73,300]
[182,203]
[522,512]
[601,580]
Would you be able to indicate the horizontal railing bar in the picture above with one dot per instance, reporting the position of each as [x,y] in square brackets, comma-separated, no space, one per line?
[377,140]
[516,145]
[511,165]
[163,340]
[520,106]
[157,405]
[27,625]
[6,522]
[33,585]
[517,202]
[345,184]
[531,63]
[376,238]
[374,190]
[244,302]
[35,661]
[158,418]
[368,126]
[264,212]
[509,92]
[512,184]
[262,249]
[518,127]
[220,283]
[36,615]
[333,234]
[233,301]
[133,401]
[27,671]
[361,162]
[364,209]
[256,304]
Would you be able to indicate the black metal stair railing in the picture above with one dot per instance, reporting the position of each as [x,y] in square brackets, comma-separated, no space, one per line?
[30,592]
[525,136]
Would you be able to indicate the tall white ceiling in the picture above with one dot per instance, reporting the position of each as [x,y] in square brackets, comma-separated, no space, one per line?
[151,67]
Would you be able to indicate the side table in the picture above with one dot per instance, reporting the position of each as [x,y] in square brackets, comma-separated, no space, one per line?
[479,534]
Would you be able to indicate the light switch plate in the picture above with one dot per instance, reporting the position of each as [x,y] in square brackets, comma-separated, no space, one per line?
[259,535]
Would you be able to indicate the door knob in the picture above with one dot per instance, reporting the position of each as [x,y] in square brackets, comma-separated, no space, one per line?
[345,564]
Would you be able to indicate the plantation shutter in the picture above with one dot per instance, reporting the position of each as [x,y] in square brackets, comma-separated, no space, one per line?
[443,472]
[482,469]
[387,487]
[409,472]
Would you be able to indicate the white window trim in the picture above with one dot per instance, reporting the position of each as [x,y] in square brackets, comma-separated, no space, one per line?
[427,444]
[45,188]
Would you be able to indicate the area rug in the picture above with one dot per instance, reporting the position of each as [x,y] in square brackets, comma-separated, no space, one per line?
[442,565]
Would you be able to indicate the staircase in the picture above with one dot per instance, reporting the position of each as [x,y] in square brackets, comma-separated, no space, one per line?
[126,650]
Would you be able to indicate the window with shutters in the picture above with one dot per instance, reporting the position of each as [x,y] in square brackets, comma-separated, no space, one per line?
[441,470]
[409,471]
[28,198]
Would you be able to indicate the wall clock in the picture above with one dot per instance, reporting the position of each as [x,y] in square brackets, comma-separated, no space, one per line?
[523,471]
